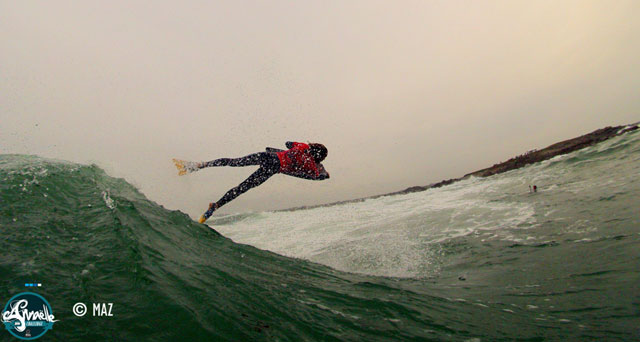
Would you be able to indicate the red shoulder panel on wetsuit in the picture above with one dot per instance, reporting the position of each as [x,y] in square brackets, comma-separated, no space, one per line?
[297,160]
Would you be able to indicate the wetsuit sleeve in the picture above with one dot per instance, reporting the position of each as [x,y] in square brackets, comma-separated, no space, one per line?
[322,173]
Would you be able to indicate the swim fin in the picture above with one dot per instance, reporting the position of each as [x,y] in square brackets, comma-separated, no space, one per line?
[208,213]
[185,167]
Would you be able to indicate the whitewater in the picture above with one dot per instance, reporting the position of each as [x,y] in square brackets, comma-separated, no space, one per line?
[404,235]
[482,259]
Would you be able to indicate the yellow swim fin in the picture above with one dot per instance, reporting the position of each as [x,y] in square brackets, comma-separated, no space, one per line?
[185,167]
[180,166]
[212,207]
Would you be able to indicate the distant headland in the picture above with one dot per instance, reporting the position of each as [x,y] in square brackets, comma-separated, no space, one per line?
[517,162]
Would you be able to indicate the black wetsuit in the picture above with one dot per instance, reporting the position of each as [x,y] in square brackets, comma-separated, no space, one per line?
[269,166]
[296,162]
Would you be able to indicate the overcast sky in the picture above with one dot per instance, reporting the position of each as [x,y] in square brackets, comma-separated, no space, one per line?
[402,93]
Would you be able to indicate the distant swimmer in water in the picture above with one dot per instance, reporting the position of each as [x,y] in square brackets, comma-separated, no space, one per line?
[300,160]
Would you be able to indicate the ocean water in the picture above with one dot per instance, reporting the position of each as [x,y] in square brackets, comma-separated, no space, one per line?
[479,260]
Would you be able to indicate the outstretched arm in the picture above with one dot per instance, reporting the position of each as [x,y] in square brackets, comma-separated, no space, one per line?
[322,173]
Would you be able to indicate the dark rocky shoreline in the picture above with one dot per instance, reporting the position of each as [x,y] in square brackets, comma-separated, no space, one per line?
[517,162]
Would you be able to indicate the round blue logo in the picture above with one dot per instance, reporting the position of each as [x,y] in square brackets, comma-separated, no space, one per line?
[27,316]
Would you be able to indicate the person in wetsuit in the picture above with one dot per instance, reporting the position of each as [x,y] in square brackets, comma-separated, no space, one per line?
[300,160]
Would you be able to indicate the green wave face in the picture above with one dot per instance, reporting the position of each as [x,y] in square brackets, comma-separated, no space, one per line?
[568,272]
[90,238]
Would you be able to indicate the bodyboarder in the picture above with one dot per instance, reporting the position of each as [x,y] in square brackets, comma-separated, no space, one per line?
[300,160]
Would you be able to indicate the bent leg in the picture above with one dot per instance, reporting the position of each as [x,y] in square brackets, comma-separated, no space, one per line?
[257,178]
[269,166]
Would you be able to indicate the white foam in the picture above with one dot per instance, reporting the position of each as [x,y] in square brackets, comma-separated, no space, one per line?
[111,204]
[407,235]
[396,236]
